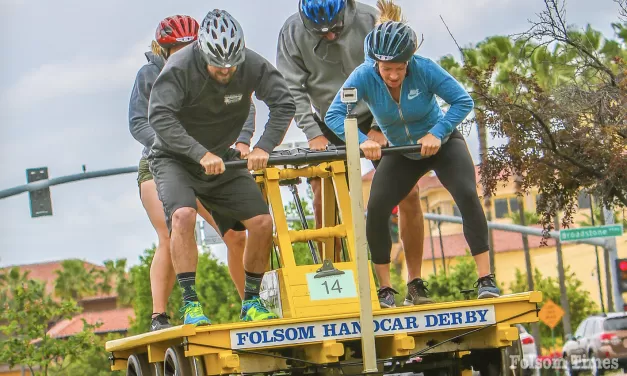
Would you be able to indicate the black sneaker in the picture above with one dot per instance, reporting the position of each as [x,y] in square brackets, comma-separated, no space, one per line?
[386,297]
[417,293]
[160,321]
[487,287]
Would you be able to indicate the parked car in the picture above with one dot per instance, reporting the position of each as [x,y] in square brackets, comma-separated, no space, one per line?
[599,344]
[529,352]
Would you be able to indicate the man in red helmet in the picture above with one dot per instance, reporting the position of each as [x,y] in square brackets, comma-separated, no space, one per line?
[172,34]
[198,106]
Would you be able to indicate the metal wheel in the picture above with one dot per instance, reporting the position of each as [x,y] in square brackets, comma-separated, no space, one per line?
[157,368]
[138,365]
[198,365]
[175,363]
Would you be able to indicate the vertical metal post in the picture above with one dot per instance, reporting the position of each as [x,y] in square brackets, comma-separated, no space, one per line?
[610,248]
[442,247]
[562,280]
[431,237]
[596,252]
[361,245]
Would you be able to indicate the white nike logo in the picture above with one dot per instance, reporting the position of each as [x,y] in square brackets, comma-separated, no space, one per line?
[413,94]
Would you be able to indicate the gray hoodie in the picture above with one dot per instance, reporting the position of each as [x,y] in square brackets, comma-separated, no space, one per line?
[193,114]
[138,106]
[314,77]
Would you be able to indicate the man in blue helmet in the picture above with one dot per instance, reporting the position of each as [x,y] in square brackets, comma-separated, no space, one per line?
[318,48]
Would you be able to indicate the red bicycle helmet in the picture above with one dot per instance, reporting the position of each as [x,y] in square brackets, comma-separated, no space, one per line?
[176,30]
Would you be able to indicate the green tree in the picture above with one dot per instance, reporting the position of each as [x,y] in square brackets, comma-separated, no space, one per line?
[580,303]
[142,297]
[74,281]
[114,276]
[93,362]
[461,276]
[26,312]
[554,127]
[531,218]
[215,289]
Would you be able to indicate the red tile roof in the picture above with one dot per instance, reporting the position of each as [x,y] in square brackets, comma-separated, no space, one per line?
[46,272]
[455,245]
[114,320]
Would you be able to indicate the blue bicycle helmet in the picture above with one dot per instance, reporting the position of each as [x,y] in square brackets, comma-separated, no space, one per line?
[322,16]
[391,41]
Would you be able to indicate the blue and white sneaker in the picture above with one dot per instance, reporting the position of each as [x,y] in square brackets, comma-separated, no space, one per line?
[487,287]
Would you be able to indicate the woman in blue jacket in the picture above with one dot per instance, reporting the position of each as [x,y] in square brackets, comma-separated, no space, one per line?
[400,88]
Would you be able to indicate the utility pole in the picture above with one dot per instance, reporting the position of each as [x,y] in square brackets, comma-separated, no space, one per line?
[596,252]
[535,328]
[562,280]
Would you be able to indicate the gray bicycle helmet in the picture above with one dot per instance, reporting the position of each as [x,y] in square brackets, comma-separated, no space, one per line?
[391,41]
[221,39]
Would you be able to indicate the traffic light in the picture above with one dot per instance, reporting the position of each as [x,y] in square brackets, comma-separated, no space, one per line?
[40,202]
[621,273]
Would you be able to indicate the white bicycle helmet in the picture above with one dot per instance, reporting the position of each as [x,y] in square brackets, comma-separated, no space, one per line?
[221,39]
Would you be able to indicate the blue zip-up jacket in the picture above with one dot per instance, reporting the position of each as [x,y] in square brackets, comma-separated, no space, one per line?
[417,114]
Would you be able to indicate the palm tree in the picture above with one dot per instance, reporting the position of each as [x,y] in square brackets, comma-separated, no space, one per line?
[114,275]
[74,281]
[499,49]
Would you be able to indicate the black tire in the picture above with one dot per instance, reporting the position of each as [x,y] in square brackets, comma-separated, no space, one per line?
[138,365]
[175,363]
[489,362]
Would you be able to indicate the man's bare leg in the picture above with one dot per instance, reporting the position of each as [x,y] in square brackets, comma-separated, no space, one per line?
[185,260]
[316,187]
[256,258]
[235,242]
[162,276]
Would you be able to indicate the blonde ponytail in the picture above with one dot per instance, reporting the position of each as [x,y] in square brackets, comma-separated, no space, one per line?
[388,11]
[156,48]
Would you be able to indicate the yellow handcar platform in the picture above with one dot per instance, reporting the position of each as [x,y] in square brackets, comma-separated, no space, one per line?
[319,329]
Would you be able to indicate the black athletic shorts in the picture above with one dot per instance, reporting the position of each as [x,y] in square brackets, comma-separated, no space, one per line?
[334,140]
[231,197]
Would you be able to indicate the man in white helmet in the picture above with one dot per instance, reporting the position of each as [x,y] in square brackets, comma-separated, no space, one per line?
[198,107]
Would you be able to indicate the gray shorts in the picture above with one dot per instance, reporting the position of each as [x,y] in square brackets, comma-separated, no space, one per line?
[231,197]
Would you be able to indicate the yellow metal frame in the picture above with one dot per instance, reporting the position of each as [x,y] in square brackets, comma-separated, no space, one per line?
[292,278]
[213,343]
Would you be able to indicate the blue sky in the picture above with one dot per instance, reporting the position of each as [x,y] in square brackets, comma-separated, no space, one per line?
[67,71]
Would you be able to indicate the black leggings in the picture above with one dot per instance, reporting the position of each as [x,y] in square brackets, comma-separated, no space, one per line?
[396,175]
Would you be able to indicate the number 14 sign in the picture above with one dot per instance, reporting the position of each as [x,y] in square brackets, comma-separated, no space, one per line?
[332,287]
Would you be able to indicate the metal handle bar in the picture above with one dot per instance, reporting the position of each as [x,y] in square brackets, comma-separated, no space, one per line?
[306,156]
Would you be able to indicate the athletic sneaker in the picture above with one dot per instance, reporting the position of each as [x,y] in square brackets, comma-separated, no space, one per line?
[487,287]
[386,297]
[161,321]
[194,315]
[254,310]
[417,293]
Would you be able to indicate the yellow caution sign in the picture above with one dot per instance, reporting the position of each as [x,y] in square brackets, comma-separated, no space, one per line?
[550,314]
